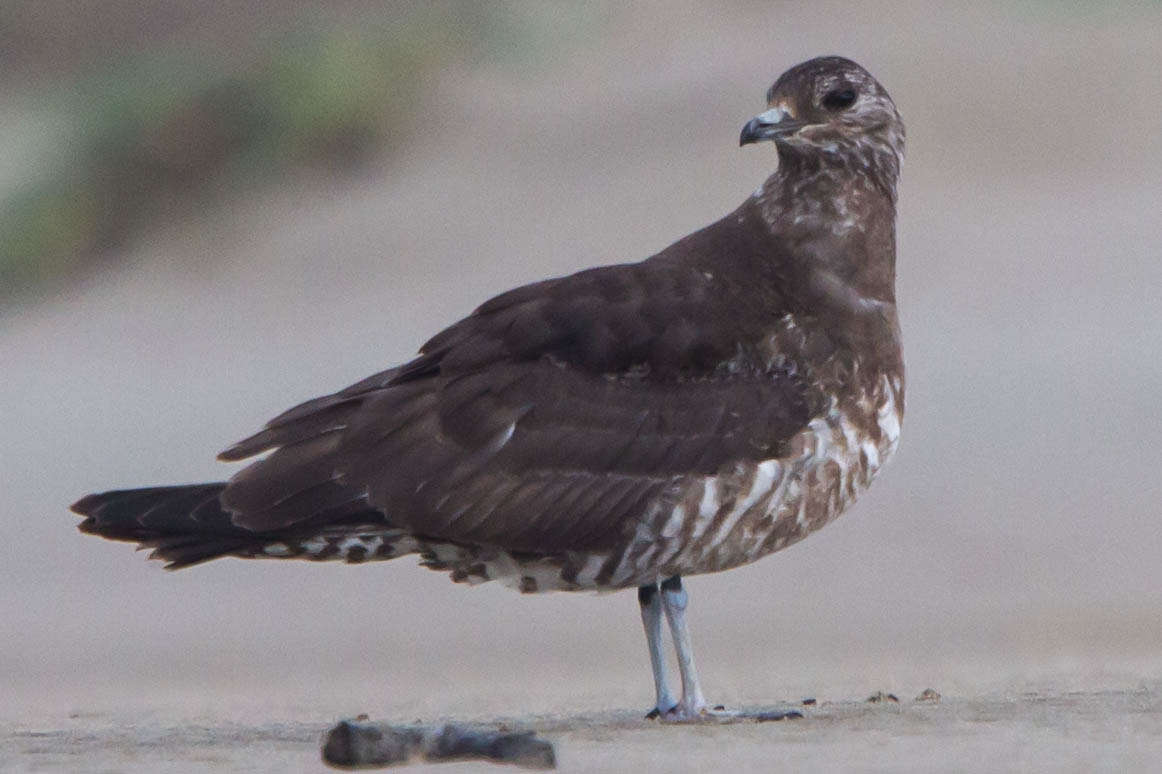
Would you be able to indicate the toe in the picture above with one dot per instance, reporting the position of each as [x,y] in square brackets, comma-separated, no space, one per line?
[684,712]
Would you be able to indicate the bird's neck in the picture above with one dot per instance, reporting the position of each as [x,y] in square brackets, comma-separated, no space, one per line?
[836,212]
[830,180]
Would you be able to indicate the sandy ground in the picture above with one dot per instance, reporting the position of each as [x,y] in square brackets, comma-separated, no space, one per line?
[1113,730]
[1008,557]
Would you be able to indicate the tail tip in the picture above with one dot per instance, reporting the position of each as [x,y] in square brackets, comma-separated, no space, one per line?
[86,505]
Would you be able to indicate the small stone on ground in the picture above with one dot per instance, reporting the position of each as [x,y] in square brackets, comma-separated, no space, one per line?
[880,696]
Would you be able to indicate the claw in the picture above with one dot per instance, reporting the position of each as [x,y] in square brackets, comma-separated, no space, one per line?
[657,712]
[684,712]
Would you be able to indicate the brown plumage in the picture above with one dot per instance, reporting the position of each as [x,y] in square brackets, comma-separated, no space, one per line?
[619,426]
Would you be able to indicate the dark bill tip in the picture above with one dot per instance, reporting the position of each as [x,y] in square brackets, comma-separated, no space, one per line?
[771,125]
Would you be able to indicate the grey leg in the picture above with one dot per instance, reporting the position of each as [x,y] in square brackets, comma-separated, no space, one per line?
[651,605]
[674,601]
[692,708]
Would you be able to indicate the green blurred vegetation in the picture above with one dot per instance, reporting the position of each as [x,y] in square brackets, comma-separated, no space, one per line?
[165,130]
[168,131]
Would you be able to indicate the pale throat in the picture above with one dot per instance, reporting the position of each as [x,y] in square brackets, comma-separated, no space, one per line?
[829,186]
[832,207]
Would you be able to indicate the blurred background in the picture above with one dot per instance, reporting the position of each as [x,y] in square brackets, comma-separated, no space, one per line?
[210,211]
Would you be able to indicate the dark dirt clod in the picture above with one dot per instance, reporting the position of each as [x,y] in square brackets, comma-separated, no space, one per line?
[355,744]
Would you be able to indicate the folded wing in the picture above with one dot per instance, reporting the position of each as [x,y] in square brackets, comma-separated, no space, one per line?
[545,422]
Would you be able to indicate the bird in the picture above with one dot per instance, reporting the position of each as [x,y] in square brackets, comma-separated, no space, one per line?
[622,427]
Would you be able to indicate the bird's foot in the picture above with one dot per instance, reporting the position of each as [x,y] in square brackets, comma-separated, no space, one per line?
[689,712]
[703,713]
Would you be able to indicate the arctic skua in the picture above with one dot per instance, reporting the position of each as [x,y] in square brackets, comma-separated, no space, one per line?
[617,428]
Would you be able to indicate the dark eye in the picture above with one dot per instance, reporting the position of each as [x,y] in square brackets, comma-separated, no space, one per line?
[839,99]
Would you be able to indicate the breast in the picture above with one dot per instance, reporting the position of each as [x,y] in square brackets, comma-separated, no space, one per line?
[752,509]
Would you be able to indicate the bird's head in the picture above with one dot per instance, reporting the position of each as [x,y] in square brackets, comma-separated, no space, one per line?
[828,106]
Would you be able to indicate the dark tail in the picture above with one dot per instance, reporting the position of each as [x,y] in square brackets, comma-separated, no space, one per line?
[184,525]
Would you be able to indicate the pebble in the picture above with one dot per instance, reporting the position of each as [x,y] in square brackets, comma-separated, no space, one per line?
[879,696]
